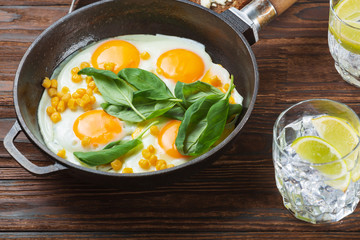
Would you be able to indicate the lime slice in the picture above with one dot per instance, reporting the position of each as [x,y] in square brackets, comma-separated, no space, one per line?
[347,35]
[342,136]
[340,183]
[317,150]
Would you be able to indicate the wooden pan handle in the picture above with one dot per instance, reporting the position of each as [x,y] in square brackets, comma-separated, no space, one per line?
[282,5]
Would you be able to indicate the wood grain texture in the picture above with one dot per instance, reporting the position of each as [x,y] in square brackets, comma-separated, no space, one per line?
[234,198]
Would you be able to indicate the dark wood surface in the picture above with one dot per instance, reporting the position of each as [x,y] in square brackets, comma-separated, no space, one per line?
[234,198]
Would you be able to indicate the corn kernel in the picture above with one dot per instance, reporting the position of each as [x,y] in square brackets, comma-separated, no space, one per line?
[226,86]
[136,132]
[145,55]
[46,83]
[144,164]
[127,170]
[146,153]
[55,117]
[60,94]
[61,106]
[84,65]
[65,90]
[223,90]
[52,92]
[87,107]
[61,153]
[151,149]
[160,165]
[159,71]
[55,101]
[72,104]
[85,98]
[81,91]
[154,130]
[96,90]
[231,100]
[92,99]
[66,97]
[75,70]
[50,110]
[89,79]
[79,102]
[170,165]
[85,141]
[153,159]
[89,91]
[76,78]
[54,83]
[75,95]
[91,85]
[109,66]
[116,164]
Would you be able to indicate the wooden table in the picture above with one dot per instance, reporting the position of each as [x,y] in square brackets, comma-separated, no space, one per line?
[234,198]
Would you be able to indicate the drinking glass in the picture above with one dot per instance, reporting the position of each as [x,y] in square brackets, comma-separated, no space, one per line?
[307,192]
[344,39]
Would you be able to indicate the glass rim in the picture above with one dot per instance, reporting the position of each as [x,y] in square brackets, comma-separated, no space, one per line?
[275,137]
[340,19]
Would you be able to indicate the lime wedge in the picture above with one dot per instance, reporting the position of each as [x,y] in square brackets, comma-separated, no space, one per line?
[340,183]
[317,150]
[347,34]
[342,136]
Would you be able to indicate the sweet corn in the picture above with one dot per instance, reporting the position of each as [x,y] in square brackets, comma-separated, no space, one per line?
[50,110]
[81,91]
[96,90]
[145,55]
[54,83]
[146,153]
[84,65]
[72,104]
[136,132]
[144,164]
[160,165]
[66,97]
[116,164]
[52,92]
[60,94]
[75,95]
[88,79]
[86,99]
[79,102]
[127,170]
[65,90]
[61,106]
[92,99]
[91,85]
[75,70]
[85,141]
[46,83]
[154,130]
[61,153]
[55,101]
[170,165]
[55,117]
[151,149]
[76,78]
[231,100]
[87,107]
[109,66]
[226,87]
[153,159]
[89,91]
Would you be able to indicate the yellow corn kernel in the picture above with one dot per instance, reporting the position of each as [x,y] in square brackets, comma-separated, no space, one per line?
[89,79]
[89,91]
[145,55]
[61,106]
[84,65]
[54,83]
[96,90]
[154,130]
[87,107]
[144,164]
[66,97]
[226,87]
[91,85]
[75,95]
[116,164]
[160,164]
[170,165]
[46,83]
[50,110]
[127,170]
[146,153]
[231,100]
[81,91]
[151,149]
[85,98]
[72,104]
[153,159]
[52,92]
[65,90]
[61,153]
[75,70]
[79,102]
[55,117]
[92,99]
[55,101]
[136,132]
[85,141]
[109,66]
[60,94]
[76,78]
[223,90]
[159,71]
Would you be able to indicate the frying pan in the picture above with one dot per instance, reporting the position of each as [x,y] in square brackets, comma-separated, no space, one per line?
[227,37]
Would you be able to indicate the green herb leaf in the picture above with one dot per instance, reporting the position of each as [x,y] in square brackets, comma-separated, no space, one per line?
[175,113]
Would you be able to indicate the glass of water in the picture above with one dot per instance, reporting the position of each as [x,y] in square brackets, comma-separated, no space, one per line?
[315,154]
[344,38]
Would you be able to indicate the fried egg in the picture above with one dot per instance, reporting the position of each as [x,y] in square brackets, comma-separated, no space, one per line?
[88,128]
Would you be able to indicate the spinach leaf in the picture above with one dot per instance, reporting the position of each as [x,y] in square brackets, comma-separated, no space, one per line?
[111,151]
[176,112]
[234,109]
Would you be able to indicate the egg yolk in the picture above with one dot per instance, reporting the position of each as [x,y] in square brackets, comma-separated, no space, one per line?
[118,52]
[99,126]
[181,65]
[212,79]
[167,136]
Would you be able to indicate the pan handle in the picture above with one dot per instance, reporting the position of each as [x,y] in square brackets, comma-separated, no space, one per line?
[21,159]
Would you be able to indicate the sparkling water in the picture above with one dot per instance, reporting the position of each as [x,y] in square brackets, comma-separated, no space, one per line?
[303,188]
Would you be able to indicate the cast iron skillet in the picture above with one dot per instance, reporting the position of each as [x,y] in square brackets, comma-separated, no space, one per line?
[222,34]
